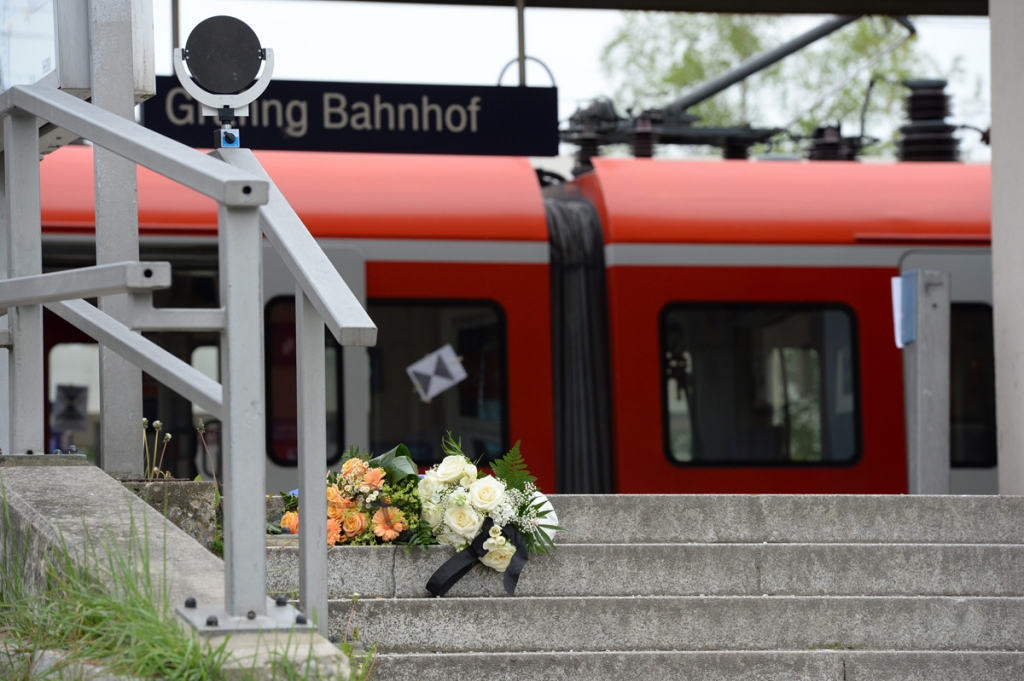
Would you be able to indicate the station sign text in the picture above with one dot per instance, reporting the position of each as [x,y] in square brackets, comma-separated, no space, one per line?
[369,117]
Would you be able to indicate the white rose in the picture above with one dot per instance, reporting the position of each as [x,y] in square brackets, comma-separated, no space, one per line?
[495,531]
[486,493]
[463,520]
[499,558]
[450,469]
[432,514]
[429,485]
[466,481]
[494,543]
[469,471]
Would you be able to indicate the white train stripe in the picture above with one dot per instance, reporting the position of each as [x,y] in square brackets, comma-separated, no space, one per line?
[769,255]
[382,250]
[448,250]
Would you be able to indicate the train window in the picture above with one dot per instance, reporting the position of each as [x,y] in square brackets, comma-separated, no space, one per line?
[475,409]
[759,384]
[282,394]
[206,358]
[74,368]
[972,437]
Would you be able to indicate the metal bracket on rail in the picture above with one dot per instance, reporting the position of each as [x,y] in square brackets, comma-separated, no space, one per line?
[145,317]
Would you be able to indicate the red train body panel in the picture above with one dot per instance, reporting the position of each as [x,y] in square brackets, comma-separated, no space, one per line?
[675,233]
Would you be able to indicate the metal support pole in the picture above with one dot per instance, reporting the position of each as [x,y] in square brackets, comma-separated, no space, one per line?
[1007,21]
[243,434]
[24,258]
[5,358]
[351,263]
[175,25]
[312,426]
[117,233]
[926,379]
[521,15]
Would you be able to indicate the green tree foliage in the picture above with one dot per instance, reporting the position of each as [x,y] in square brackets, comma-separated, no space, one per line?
[655,57]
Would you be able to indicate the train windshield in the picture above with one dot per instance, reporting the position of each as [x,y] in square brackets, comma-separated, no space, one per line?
[759,384]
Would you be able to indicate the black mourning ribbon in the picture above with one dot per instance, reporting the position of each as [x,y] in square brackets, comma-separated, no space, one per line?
[456,567]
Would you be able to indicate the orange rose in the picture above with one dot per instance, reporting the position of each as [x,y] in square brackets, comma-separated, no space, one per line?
[353,468]
[388,523]
[333,532]
[374,478]
[290,520]
[336,503]
[354,523]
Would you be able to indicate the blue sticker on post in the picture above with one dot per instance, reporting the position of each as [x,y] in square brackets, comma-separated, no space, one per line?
[228,138]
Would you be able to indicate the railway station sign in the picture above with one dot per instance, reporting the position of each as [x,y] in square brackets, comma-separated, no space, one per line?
[370,117]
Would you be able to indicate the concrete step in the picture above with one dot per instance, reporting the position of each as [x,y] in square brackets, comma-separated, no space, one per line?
[822,665]
[683,570]
[638,519]
[595,624]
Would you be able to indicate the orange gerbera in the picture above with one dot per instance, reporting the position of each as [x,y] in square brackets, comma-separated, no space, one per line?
[374,478]
[333,531]
[388,523]
[290,520]
[353,468]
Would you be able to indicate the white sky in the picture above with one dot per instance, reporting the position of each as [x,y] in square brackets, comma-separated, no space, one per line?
[402,43]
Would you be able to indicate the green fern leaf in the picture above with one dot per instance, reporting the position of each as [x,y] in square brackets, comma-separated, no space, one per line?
[511,470]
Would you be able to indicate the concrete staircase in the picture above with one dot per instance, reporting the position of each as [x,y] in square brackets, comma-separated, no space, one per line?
[839,588]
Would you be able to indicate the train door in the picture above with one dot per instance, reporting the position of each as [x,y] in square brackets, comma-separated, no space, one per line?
[745,378]
[972,427]
[489,301]
[347,370]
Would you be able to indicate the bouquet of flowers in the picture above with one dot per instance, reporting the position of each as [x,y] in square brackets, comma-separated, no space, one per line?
[370,501]
[497,519]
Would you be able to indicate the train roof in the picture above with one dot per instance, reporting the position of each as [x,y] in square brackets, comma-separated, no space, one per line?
[794,202]
[390,196]
[382,196]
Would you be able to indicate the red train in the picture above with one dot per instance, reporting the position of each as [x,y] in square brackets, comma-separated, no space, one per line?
[652,326]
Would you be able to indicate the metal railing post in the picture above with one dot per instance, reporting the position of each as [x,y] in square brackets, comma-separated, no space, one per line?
[24,257]
[244,435]
[925,332]
[5,369]
[312,427]
[117,233]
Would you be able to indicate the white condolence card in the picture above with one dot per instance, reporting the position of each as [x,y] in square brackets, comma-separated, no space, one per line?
[436,372]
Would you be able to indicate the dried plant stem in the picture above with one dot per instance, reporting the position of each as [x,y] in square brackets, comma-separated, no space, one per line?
[145,447]
[160,466]
[202,438]
[351,614]
[151,473]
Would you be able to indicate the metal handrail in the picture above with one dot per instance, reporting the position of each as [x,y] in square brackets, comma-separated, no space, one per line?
[176,374]
[249,205]
[313,271]
[174,160]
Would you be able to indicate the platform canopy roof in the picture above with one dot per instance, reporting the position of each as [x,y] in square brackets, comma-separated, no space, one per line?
[914,7]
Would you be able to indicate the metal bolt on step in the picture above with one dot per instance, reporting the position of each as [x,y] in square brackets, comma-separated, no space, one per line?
[281,600]
[300,619]
[251,615]
[190,602]
[211,621]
